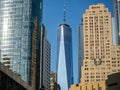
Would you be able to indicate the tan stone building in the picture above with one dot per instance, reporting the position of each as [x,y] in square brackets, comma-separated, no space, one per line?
[92,86]
[112,83]
[100,57]
[115,57]
[53,80]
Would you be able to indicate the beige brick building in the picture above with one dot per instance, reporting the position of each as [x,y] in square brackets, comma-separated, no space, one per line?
[115,57]
[112,83]
[92,86]
[100,57]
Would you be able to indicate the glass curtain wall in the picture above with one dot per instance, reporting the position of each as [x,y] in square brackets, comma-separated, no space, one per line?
[65,63]
[16,25]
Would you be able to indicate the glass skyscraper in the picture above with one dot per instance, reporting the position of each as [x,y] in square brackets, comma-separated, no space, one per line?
[80,50]
[65,63]
[16,27]
[117,20]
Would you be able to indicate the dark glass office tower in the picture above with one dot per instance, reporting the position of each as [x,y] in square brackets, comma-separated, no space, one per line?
[117,20]
[80,50]
[16,28]
[65,63]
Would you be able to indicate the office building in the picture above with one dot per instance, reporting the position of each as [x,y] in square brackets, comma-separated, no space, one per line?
[65,63]
[64,55]
[16,28]
[11,81]
[53,81]
[115,58]
[90,86]
[117,20]
[114,34]
[40,72]
[33,77]
[97,41]
[46,60]
[80,50]
[112,83]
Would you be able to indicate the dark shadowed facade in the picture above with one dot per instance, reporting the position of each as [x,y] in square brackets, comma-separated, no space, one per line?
[11,81]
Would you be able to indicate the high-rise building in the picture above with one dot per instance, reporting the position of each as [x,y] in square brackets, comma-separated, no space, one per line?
[80,50]
[112,83]
[64,56]
[117,20]
[53,81]
[16,28]
[90,86]
[46,60]
[65,63]
[114,34]
[97,42]
[40,68]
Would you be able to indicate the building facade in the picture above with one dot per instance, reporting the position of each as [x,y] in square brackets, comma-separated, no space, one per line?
[80,50]
[53,81]
[40,69]
[112,83]
[117,20]
[97,43]
[46,60]
[114,38]
[100,57]
[65,63]
[90,86]
[115,58]
[16,27]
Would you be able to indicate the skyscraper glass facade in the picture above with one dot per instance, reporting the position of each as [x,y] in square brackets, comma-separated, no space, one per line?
[80,50]
[16,25]
[65,63]
[114,34]
[117,20]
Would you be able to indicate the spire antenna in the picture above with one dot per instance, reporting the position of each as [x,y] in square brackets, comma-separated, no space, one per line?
[64,12]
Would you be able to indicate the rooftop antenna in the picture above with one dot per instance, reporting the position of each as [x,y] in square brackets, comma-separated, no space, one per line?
[64,19]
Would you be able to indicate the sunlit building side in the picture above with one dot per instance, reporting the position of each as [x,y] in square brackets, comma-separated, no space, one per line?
[16,25]
[112,83]
[97,42]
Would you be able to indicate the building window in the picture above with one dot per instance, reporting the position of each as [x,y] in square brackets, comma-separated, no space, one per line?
[100,88]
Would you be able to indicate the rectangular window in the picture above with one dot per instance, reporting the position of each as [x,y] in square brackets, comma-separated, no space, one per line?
[100,88]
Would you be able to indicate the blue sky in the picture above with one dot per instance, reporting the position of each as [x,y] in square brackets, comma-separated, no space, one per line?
[53,17]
